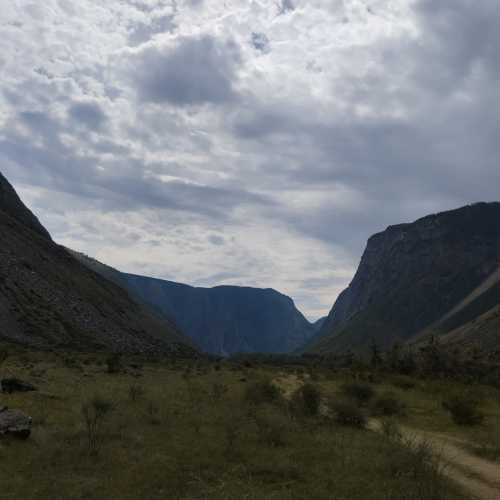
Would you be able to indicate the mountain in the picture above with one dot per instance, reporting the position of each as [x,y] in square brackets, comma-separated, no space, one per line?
[223,320]
[437,276]
[48,299]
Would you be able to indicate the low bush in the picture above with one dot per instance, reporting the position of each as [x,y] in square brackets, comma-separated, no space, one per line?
[262,392]
[388,405]
[218,391]
[415,459]
[114,364]
[390,429]
[463,410]
[306,401]
[405,383]
[361,393]
[272,426]
[94,413]
[347,413]
[135,392]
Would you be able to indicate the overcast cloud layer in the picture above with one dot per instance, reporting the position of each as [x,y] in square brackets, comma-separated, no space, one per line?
[247,142]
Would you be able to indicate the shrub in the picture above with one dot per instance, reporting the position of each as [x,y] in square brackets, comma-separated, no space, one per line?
[94,412]
[390,429]
[114,364]
[361,393]
[218,391]
[233,425]
[414,458]
[4,354]
[263,392]
[306,401]
[135,392]
[464,410]
[405,383]
[347,413]
[388,405]
[271,426]
[153,411]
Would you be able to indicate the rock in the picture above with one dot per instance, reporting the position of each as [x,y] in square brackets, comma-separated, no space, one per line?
[15,422]
[11,385]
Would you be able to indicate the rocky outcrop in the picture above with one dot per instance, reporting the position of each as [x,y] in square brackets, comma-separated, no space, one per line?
[15,422]
[412,275]
[49,299]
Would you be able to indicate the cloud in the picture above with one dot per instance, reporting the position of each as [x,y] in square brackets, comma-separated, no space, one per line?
[285,6]
[195,71]
[215,165]
[87,114]
[143,32]
[261,42]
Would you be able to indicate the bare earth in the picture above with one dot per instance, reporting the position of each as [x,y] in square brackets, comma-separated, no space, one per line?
[479,477]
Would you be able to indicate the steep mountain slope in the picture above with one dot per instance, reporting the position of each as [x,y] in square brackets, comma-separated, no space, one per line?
[223,320]
[416,278]
[49,299]
[11,204]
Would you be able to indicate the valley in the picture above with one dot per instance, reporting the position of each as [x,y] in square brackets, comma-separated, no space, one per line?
[212,430]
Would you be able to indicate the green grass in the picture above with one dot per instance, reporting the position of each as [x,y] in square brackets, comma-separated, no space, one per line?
[190,433]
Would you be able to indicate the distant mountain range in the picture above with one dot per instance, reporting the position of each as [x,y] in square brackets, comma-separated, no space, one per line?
[439,276]
[48,299]
[436,277]
[223,320]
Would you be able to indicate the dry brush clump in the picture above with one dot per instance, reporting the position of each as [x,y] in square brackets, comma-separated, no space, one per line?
[346,412]
[95,413]
[135,392]
[464,409]
[262,392]
[306,401]
[361,393]
[388,405]
[272,426]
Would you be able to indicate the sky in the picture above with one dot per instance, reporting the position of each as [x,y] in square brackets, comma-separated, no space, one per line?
[255,143]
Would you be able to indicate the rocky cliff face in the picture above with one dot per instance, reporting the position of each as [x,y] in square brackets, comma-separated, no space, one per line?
[48,299]
[411,275]
[223,320]
[228,319]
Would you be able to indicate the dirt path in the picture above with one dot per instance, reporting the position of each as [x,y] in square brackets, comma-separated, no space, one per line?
[479,477]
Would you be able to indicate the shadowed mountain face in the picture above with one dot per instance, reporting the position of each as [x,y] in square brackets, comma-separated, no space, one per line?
[223,320]
[11,205]
[437,275]
[49,299]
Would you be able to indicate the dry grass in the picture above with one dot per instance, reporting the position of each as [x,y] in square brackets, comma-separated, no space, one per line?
[191,434]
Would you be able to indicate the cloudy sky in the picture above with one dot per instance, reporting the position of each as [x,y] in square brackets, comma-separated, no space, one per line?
[247,142]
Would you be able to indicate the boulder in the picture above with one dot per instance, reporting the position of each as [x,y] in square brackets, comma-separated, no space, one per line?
[15,422]
[11,385]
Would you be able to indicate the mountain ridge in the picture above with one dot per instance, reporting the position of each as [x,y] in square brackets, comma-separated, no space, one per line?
[411,275]
[224,319]
[49,300]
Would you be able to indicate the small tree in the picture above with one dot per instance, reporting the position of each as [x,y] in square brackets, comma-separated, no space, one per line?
[135,392]
[306,401]
[464,410]
[4,354]
[361,393]
[114,364]
[376,358]
[94,412]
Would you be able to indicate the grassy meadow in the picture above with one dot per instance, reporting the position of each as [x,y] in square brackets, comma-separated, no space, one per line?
[200,430]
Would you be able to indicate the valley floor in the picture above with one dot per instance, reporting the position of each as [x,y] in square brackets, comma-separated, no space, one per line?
[201,430]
